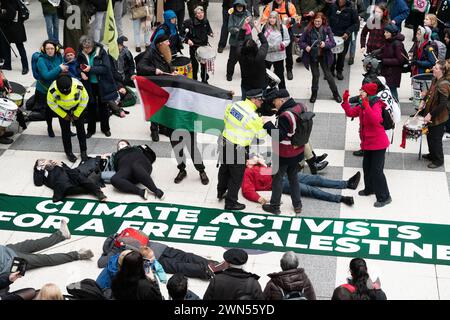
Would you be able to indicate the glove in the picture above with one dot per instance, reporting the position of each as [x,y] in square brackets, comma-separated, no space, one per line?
[414,63]
[345,96]
[282,46]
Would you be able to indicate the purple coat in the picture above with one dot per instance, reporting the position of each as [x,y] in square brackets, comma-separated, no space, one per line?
[392,60]
[306,41]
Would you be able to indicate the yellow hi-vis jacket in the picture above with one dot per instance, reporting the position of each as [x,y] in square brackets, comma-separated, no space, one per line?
[242,123]
[61,104]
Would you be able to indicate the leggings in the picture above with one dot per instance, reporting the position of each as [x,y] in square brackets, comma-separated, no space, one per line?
[133,172]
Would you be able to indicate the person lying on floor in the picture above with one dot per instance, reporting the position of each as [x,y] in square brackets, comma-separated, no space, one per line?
[171,259]
[26,250]
[64,181]
[258,177]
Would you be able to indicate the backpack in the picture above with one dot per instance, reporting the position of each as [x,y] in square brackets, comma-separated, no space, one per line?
[292,295]
[388,119]
[286,8]
[161,26]
[131,239]
[441,49]
[304,124]
[24,13]
[34,60]
[86,289]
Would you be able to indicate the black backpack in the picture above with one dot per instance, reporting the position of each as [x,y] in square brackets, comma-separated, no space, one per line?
[388,119]
[24,13]
[292,295]
[86,289]
[304,121]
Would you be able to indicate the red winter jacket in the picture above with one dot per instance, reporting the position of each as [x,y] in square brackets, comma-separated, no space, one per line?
[371,131]
[256,178]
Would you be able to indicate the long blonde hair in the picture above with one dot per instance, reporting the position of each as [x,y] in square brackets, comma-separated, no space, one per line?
[277,25]
[433,18]
[50,291]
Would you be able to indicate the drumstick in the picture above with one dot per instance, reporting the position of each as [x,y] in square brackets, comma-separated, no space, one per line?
[432,52]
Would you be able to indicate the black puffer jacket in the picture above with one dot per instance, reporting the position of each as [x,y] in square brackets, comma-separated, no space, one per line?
[198,31]
[343,20]
[288,281]
[234,284]
[103,70]
[150,61]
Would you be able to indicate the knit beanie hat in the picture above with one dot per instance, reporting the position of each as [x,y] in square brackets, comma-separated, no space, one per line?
[69,50]
[370,88]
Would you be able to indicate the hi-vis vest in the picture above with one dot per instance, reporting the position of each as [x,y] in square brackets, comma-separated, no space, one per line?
[61,104]
[242,123]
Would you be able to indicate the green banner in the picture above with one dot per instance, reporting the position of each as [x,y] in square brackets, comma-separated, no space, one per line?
[374,239]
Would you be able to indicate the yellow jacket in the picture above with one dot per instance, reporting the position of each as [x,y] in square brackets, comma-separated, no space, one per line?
[61,104]
[242,123]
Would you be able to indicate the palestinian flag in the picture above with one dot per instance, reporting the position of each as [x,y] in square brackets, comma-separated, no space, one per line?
[178,102]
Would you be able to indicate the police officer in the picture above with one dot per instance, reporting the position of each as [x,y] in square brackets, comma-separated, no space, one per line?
[68,98]
[242,124]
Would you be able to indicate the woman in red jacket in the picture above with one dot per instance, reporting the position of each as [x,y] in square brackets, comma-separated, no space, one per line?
[374,141]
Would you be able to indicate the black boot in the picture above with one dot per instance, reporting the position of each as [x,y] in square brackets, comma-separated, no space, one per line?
[320,158]
[353,182]
[313,96]
[234,206]
[314,166]
[337,97]
[154,135]
[180,176]
[347,200]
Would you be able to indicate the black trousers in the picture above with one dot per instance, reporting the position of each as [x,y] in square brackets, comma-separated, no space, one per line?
[180,18]
[97,110]
[67,136]
[374,178]
[195,64]
[41,100]
[232,60]
[231,171]
[5,53]
[278,67]
[291,170]
[191,265]
[289,58]
[188,140]
[434,139]
[224,30]
[339,59]
[314,66]
[137,170]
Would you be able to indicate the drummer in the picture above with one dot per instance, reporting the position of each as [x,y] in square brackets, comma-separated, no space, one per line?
[5,89]
[169,28]
[199,30]
[344,22]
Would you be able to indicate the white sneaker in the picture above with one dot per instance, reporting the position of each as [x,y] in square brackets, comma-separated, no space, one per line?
[446,137]
[64,229]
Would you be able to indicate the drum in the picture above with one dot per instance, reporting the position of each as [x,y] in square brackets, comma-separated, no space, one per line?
[415,127]
[8,110]
[206,55]
[274,80]
[16,98]
[339,45]
[183,65]
[420,82]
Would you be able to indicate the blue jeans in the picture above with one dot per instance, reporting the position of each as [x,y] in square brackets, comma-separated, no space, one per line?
[52,23]
[309,183]
[137,34]
[352,49]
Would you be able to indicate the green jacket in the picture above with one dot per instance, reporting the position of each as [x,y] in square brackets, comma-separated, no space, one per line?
[47,8]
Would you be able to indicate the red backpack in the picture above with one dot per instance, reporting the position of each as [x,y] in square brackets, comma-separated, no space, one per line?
[131,238]
[349,287]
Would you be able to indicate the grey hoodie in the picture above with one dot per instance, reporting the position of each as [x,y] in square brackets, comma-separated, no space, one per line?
[236,20]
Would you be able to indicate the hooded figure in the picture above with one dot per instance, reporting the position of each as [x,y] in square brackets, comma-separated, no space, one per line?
[423,57]
[169,27]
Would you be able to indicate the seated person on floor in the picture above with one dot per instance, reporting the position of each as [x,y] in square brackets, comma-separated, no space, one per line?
[258,177]
[5,89]
[65,181]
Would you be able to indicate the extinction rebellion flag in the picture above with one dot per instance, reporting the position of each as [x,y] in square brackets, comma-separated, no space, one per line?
[178,102]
